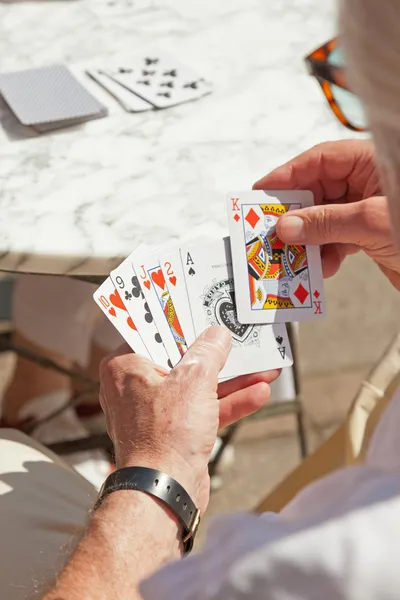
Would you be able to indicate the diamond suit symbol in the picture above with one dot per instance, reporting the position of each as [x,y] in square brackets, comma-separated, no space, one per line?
[317,294]
[236,217]
[252,218]
[301,293]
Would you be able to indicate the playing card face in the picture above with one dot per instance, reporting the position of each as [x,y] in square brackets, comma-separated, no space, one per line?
[275,282]
[161,80]
[172,268]
[209,279]
[129,101]
[48,95]
[126,282]
[155,290]
[110,302]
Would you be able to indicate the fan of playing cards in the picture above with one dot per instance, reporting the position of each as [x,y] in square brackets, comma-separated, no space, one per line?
[152,82]
[161,300]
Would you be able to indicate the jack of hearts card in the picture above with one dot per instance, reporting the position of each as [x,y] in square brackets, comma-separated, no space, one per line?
[274,282]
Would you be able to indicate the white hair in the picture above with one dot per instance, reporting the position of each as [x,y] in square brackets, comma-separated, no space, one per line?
[370,32]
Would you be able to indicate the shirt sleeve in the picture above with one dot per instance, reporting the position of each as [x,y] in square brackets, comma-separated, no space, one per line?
[345,552]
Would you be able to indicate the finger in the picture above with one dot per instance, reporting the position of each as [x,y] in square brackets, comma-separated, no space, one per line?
[329,170]
[206,357]
[244,381]
[332,256]
[241,403]
[122,361]
[360,223]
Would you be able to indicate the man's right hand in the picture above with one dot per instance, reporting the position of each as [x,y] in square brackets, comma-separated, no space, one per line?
[350,212]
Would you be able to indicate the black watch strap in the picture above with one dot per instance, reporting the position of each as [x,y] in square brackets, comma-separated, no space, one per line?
[161,486]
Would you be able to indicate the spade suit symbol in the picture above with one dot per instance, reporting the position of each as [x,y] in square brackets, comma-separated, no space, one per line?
[191,271]
[279,339]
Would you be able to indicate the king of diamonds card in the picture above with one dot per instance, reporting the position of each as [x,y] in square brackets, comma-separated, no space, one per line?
[275,282]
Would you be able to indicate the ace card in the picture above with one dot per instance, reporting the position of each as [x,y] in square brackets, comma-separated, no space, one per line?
[275,282]
[110,302]
[208,274]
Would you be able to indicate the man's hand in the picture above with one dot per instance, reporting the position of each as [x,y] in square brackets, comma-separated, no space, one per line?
[351,214]
[170,421]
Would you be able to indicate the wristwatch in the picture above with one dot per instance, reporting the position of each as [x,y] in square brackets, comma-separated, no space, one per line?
[161,486]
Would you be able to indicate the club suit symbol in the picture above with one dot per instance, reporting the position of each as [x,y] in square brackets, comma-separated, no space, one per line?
[136,289]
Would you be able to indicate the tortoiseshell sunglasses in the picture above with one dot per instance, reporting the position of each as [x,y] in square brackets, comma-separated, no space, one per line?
[327,65]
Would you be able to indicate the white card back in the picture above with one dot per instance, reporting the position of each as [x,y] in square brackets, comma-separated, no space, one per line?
[48,94]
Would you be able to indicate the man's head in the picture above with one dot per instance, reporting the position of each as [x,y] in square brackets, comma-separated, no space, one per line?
[370,34]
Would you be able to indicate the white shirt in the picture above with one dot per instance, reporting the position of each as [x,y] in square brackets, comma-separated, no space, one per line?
[339,539]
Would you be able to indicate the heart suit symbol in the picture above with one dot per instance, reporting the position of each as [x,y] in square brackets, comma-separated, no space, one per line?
[158,278]
[116,300]
[130,323]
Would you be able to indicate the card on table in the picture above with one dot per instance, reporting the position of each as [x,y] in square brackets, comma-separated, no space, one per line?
[274,282]
[161,80]
[155,290]
[126,281]
[49,97]
[129,101]
[207,270]
[110,302]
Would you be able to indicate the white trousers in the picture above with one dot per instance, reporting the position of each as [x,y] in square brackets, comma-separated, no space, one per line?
[43,510]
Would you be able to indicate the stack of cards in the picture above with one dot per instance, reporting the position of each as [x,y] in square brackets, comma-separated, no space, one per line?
[162,300]
[49,98]
[152,82]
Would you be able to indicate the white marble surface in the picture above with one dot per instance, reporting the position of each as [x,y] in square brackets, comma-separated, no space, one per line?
[81,199]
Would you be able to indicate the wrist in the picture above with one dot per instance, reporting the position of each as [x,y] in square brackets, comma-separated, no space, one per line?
[178,470]
[162,526]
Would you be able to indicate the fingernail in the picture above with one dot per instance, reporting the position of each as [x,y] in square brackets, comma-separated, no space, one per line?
[292,229]
[218,334]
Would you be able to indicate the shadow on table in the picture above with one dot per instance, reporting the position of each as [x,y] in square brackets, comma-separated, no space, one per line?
[13,129]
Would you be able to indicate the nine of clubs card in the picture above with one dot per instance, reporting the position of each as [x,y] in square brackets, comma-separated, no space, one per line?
[126,281]
[275,282]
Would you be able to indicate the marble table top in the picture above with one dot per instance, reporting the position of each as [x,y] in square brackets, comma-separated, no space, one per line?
[79,200]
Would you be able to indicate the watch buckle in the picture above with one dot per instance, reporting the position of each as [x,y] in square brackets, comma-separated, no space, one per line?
[193,527]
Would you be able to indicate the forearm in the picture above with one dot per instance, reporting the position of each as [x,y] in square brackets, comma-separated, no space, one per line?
[128,537]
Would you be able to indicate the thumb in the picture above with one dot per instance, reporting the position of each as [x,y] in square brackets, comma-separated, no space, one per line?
[207,355]
[353,223]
